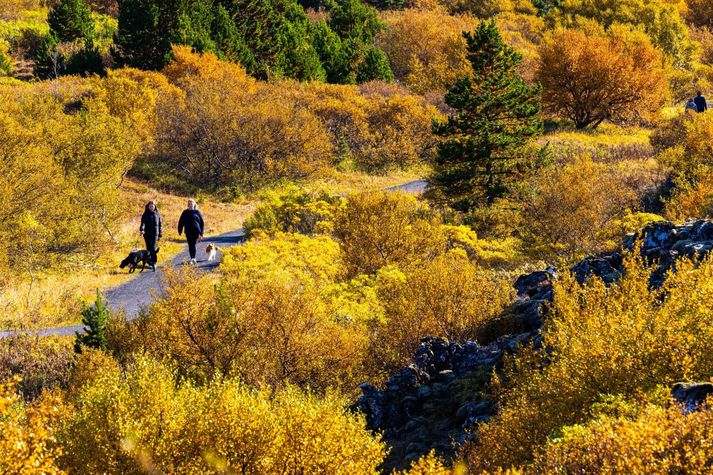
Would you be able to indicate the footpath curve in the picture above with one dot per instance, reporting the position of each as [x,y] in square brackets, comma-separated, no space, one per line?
[138,293]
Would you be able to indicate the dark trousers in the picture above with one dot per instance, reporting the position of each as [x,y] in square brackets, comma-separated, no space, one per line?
[151,246]
[192,239]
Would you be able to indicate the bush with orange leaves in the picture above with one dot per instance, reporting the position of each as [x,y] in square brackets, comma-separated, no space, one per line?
[271,329]
[655,441]
[231,130]
[589,77]
[28,443]
[225,131]
[427,50]
[577,210]
[700,13]
[145,419]
[624,340]
[382,228]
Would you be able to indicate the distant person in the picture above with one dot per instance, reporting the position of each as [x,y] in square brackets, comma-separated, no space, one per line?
[192,222]
[691,105]
[151,227]
[701,102]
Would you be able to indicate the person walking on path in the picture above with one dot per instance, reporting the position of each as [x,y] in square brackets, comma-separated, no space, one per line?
[701,102]
[151,227]
[192,222]
[691,105]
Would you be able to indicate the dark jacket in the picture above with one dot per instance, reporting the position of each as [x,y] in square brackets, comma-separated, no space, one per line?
[192,221]
[151,223]
[701,103]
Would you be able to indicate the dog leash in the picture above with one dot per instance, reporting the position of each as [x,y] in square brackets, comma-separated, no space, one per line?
[133,248]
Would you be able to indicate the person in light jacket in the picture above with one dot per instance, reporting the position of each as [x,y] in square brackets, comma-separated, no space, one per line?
[191,222]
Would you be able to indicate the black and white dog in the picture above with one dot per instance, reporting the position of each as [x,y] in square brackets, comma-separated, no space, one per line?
[138,257]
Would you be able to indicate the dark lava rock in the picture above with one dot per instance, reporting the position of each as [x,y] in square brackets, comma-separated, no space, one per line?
[692,395]
[438,401]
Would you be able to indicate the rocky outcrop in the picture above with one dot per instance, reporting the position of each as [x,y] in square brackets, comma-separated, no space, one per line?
[438,401]
[661,244]
[692,395]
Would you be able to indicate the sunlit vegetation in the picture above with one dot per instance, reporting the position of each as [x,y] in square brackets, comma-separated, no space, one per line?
[625,340]
[546,132]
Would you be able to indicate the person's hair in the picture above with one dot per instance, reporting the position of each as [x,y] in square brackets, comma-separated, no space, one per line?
[195,205]
[698,92]
[151,202]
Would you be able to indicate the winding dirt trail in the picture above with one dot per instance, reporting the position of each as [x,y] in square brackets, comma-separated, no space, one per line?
[138,293]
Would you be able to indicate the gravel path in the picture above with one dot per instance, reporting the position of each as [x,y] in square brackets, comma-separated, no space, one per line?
[137,293]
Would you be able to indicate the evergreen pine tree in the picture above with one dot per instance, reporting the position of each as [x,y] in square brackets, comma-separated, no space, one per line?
[264,28]
[229,41]
[94,319]
[193,26]
[333,53]
[86,61]
[71,20]
[49,62]
[142,40]
[375,66]
[497,113]
[299,58]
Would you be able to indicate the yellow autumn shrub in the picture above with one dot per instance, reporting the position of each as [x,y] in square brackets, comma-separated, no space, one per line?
[448,297]
[226,132]
[430,464]
[577,209]
[624,340]
[383,228]
[270,329]
[685,156]
[285,257]
[64,155]
[144,419]
[657,441]
[295,210]
[132,95]
[28,442]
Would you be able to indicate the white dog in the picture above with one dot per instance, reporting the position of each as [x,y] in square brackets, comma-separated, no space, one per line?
[211,250]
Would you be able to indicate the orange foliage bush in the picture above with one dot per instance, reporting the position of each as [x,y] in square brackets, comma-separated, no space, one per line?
[590,78]
[232,130]
[379,229]
[426,48]
[573,211]
[448,297]
[268,330]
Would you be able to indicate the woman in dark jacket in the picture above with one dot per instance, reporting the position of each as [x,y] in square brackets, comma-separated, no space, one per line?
[151,228]
[192,222]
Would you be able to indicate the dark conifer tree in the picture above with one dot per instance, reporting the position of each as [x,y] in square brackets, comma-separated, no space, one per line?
[71,20]
[484,143]
[229,41]
[142,40]
[94,319]
[375,66]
